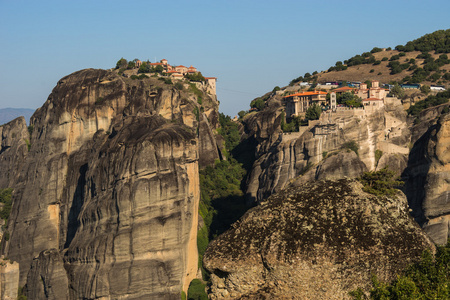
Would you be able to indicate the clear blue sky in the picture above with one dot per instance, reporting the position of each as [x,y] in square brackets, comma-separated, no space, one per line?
[250,46]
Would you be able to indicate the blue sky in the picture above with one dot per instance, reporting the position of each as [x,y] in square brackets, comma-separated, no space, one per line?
[250,46]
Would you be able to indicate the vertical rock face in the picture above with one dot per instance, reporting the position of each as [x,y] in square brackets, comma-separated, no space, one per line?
[9,278]
[428,183]
[312,151]
[106,205]
[14,137]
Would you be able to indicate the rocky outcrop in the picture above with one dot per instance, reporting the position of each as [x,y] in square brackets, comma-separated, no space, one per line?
[9,279]
[428,180]
[316,241]
[284,156]
[14,141]
[106,204]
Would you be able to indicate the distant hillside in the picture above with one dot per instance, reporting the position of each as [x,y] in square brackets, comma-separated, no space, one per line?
[9,114]
[424,60]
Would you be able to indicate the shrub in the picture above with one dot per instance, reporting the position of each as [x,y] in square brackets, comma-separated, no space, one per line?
[378,154]
[384,59]
[438,99]
[371,71]
[179,86]
[195,77]
[429,278]
[352,146]
[197,290]
[425,89]
[376,49]
[313,112]
[121,63]
[5,198]
[380,183]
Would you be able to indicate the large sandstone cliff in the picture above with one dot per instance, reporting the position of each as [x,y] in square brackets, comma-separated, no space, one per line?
[428,174]
[314,241]
[106,204]
[14,140]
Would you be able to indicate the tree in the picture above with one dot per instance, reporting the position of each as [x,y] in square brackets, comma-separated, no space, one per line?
[241,114]
[131,65]
[121,63]
[425,89]
[313,112]
[159,69]
[397,91]
[380,183]
[144,68]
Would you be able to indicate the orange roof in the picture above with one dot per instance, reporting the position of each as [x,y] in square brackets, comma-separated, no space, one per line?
[180,66]
[307,94]
[173,71]
[210,77]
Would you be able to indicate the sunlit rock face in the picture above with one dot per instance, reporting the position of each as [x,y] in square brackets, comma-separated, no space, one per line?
[316,240]
[106,204]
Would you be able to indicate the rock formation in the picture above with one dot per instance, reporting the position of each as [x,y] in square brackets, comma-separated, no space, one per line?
[428,177]
[283,156]
[316,240]
[14,141]
[106,203]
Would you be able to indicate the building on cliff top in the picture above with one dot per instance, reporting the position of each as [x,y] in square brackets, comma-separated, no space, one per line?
[298,103]
[372,99]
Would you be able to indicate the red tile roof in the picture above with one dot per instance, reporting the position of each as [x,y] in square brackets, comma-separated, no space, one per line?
[307,94]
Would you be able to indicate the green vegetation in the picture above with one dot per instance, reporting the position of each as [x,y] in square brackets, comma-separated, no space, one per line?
[430,101]
[349,99]
[5,198]
[365,58]
[144,68]
[429,278]
[259,103]
[30,130]
[313,112]
[197,290]
[376,49]
[397,91]
[194,89]
[293,125]
[425,89]
[20,295]
[195,77]
[27,141]
[179,86]
[380,183]
[352,146]
[166,80]
[438,41]
[121,63]
[378,155]
[222,199]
